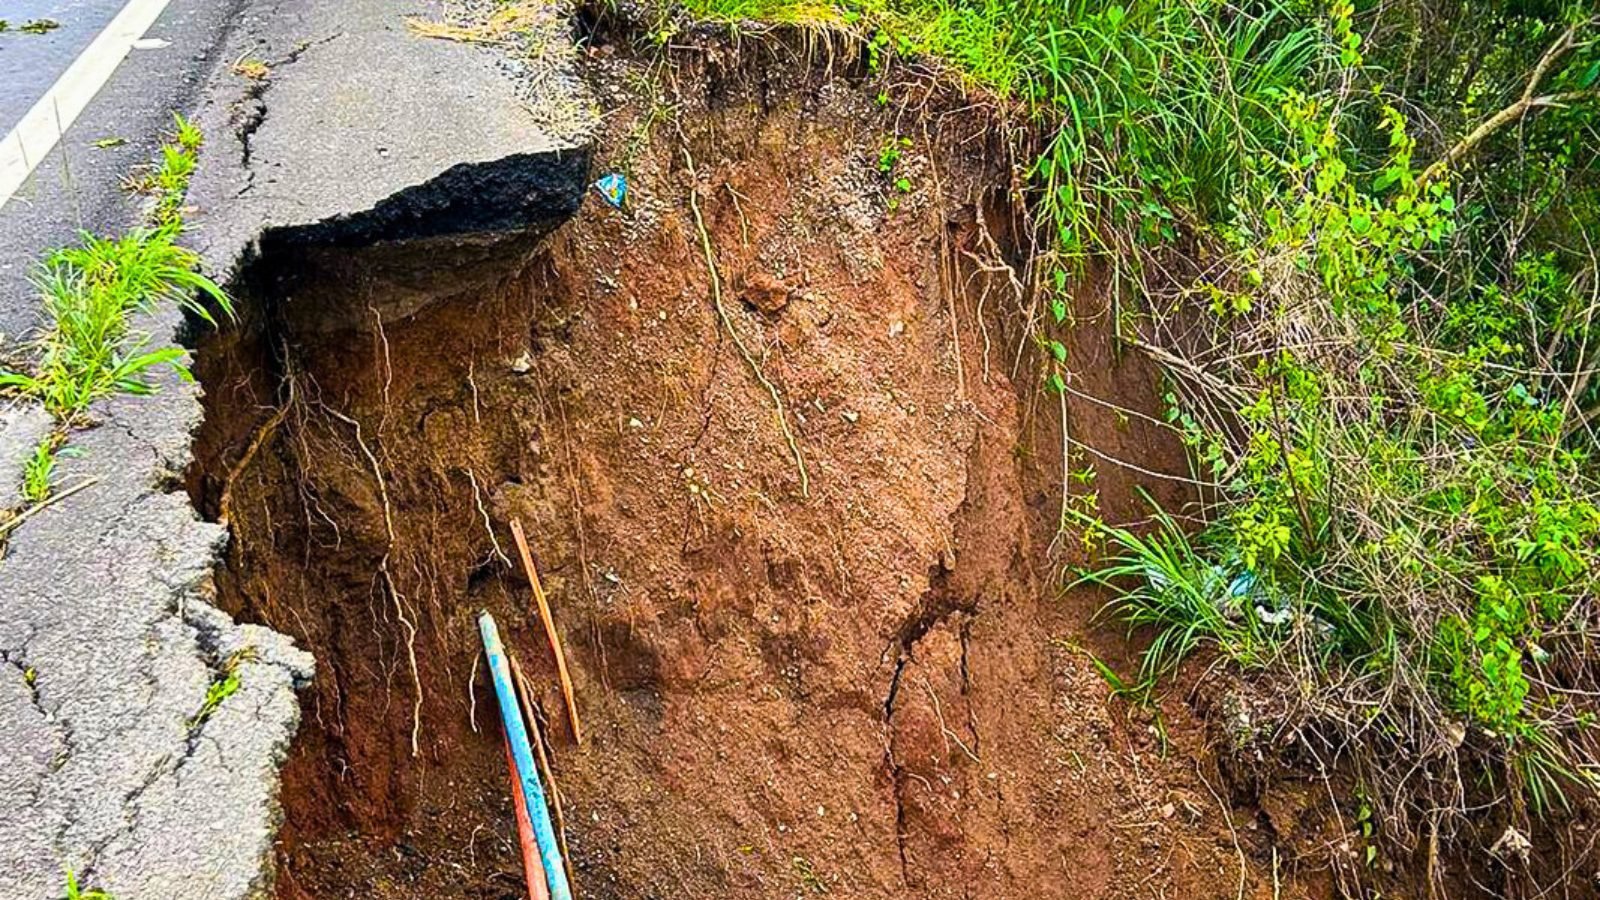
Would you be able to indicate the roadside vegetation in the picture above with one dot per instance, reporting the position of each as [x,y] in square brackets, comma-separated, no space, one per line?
[1360,239]
[91,292]
[91,349]
[91,295]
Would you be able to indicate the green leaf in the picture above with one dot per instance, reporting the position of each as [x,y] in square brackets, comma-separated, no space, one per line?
[1589,76]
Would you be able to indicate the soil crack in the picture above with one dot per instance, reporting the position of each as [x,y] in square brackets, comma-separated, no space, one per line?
[936,605]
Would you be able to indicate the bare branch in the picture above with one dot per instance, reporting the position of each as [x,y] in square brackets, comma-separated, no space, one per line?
[1529,101]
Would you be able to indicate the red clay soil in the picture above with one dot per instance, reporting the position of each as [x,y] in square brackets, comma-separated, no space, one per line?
[871,688]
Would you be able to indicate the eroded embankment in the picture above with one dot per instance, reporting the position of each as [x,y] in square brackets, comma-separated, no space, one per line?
[837,666]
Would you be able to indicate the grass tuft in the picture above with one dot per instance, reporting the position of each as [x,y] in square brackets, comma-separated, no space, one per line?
[90,293]
[74,892]
[38,473]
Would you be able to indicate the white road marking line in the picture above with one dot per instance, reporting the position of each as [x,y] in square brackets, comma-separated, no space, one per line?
[39,130]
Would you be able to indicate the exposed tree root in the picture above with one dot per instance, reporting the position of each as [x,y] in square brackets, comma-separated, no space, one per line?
[727,323]
[262,435]
[388,579]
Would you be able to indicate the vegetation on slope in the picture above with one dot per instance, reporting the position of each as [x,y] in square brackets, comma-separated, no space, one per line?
[1361,241]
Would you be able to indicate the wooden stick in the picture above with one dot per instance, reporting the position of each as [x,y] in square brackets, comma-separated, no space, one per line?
[525,692]
[549,629]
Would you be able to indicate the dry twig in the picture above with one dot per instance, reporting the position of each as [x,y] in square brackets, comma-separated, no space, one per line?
[1528,102]
[525,696]
[549,629]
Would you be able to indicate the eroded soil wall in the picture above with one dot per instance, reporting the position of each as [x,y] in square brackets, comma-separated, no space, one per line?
[841,665]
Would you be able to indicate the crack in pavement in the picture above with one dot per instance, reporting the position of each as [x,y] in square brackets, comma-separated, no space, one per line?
[250,111]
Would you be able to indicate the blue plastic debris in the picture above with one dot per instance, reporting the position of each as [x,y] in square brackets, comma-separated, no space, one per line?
[614,188]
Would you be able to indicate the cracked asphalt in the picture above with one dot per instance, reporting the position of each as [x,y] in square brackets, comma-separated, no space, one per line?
[361,134]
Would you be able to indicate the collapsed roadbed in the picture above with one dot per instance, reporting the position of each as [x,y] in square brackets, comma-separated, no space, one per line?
[144,729]
[774,427]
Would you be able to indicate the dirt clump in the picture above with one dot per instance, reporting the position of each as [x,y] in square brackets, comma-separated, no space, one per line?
[840,665]
[766,293]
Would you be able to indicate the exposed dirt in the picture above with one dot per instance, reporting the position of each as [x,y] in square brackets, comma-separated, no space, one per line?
[863,681]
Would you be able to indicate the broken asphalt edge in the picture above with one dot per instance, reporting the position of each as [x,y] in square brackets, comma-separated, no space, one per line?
[364,136]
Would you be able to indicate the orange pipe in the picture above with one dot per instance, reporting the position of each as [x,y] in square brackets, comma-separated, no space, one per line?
[532,869]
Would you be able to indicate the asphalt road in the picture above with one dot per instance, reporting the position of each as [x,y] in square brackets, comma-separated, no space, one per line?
[77,187]
[30,63]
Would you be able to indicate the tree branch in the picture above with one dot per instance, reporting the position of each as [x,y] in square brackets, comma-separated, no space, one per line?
[1529,101]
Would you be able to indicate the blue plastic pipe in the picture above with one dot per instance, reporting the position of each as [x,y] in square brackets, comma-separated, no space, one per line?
[544,832]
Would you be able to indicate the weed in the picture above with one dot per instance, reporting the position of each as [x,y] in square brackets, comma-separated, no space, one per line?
[807,875]
[219,691]
[89,292]
[168,181]
[889,154]
[38,474]
[222,687]
[187,134]
[74,892]
[1164,582]
[1139,693]
[1390,469]
[1367,827]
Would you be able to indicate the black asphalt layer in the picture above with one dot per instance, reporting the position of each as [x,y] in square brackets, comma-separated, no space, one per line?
[78,187]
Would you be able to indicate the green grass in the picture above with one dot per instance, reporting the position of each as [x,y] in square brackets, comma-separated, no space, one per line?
[225,685]
[1189,602]
[38,474]
[74,892]
[91,293]
[220,690]
[1148,110]
[168,180]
